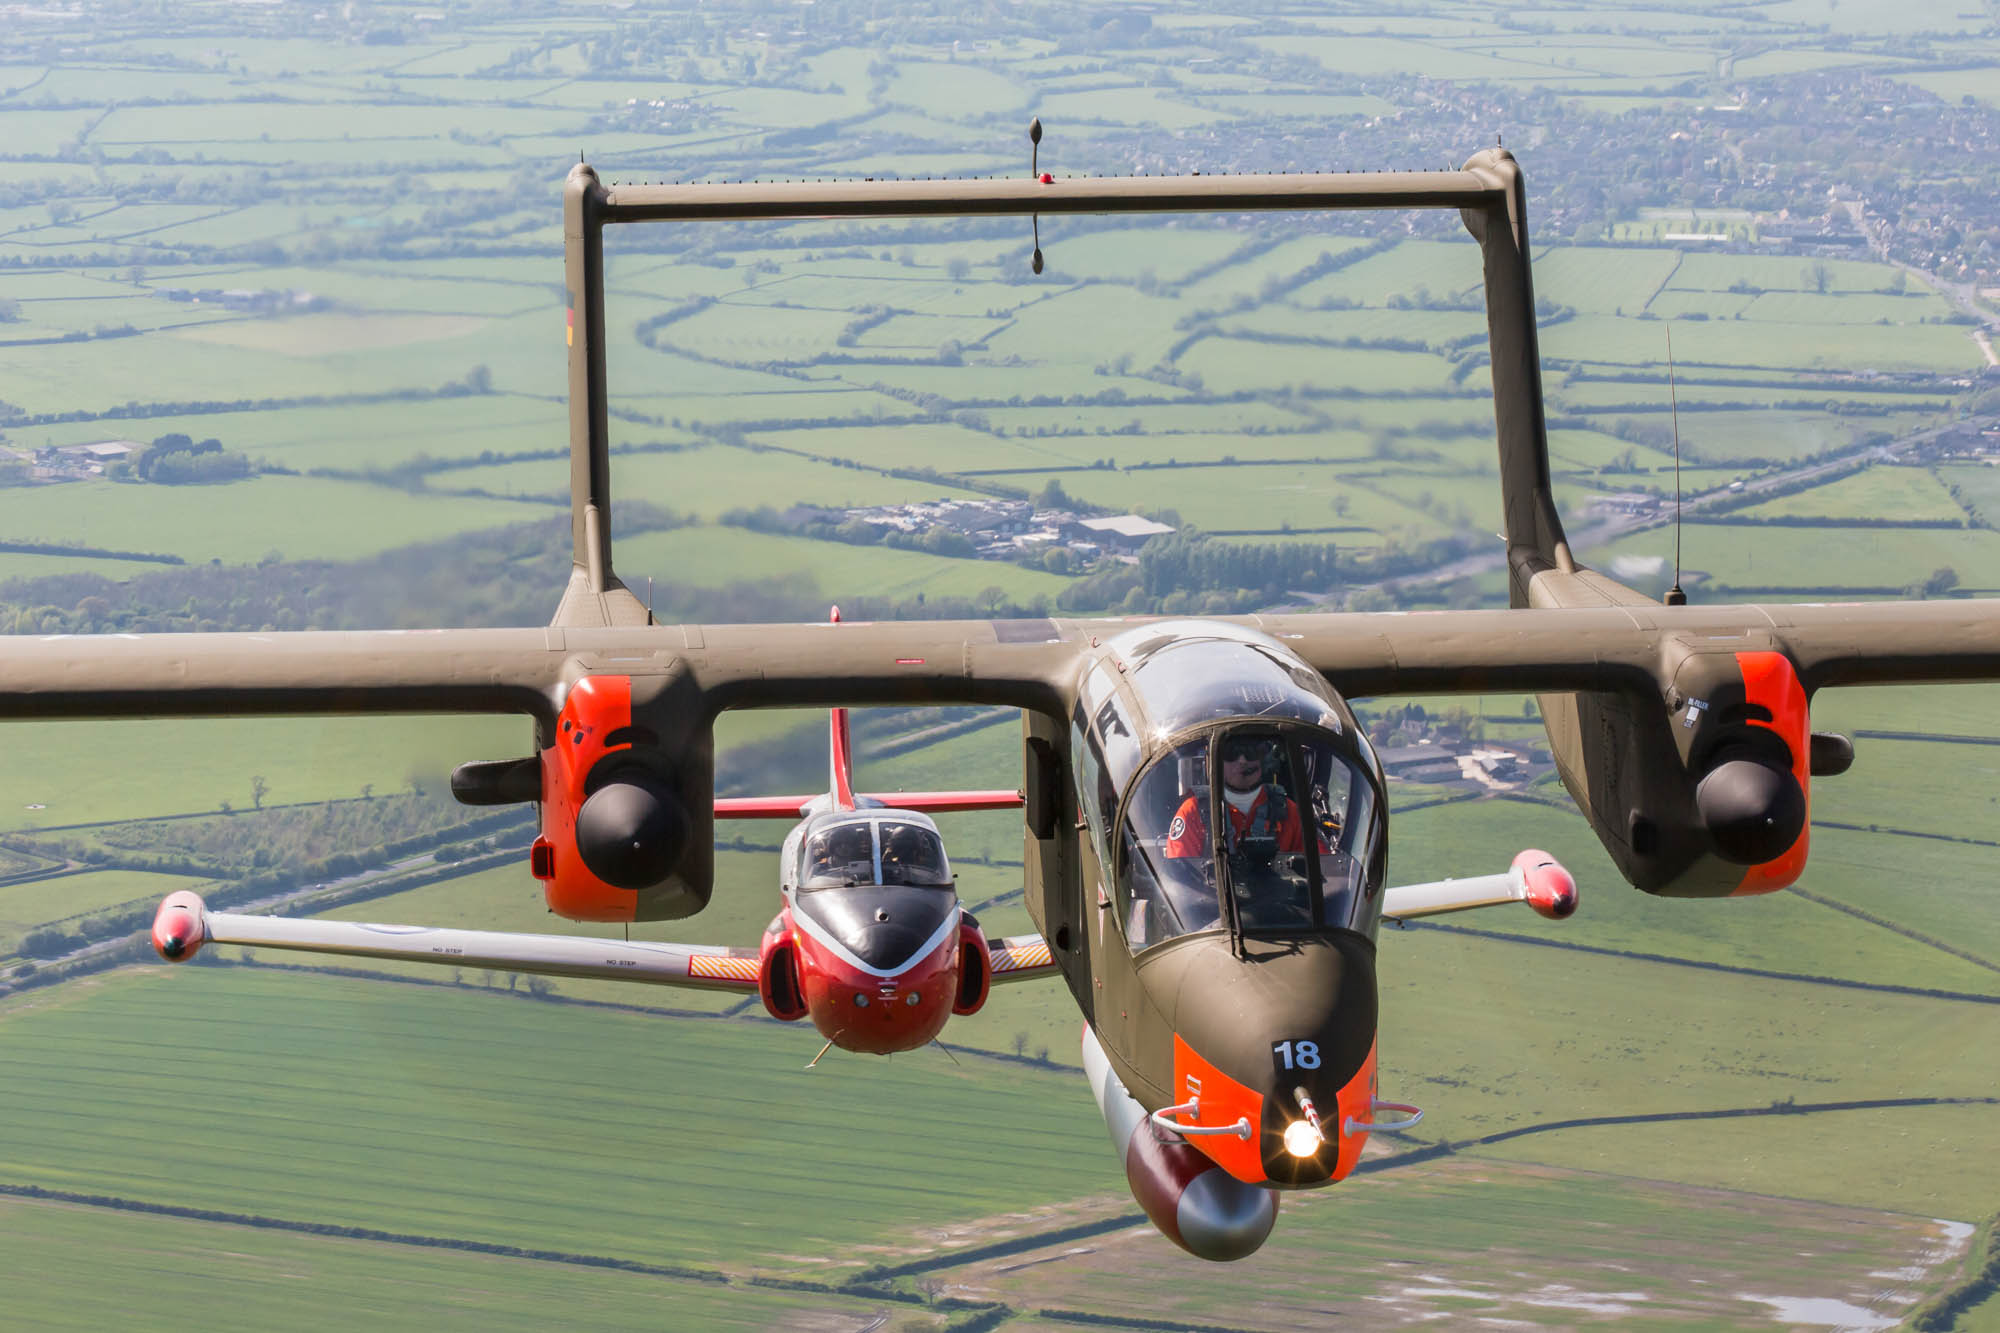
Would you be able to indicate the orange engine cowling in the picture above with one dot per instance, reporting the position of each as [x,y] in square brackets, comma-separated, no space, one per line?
[1750,749]
[611,825]
[975,969]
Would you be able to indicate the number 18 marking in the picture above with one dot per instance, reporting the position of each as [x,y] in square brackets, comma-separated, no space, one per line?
[1297,1054]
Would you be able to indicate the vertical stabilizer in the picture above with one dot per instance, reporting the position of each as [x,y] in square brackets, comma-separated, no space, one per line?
[1535,540]
[840,750]
[594,596]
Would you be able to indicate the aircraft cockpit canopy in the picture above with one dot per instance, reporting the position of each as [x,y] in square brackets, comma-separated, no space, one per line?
[1258,829]
[1224,787]
[873,850]
[1188,673]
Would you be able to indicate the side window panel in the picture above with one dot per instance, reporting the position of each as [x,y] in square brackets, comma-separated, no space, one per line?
[1166,869]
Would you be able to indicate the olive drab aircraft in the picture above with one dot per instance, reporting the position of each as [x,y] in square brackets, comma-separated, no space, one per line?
[1204,826]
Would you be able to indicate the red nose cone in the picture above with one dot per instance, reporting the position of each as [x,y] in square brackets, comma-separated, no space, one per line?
[1048,179]
[1551,889]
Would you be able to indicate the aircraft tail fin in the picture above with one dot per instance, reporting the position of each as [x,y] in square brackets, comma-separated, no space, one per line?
[840,749]
[594,597]
[1534,532]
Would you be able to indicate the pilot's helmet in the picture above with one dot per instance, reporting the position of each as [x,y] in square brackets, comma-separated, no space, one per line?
[1236,749]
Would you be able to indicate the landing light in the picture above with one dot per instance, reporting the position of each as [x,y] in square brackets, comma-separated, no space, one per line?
[1302,1138]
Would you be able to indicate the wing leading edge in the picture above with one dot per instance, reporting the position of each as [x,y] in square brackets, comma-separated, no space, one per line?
[1021,664]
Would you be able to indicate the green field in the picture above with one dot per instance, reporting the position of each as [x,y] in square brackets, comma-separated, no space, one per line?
[412,1110]
[1894,493]
[23,907]
[89,773]
[1775,557]
[256,1278]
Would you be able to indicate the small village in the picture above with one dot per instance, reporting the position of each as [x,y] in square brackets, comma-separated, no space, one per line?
[998,529]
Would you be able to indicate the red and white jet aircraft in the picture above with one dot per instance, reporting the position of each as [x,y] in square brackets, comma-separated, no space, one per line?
[870,941]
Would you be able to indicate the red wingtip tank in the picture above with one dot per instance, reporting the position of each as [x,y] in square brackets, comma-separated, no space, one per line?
[179,927]
[1551,889]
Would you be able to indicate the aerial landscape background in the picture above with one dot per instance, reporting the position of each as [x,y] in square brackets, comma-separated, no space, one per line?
[281,347]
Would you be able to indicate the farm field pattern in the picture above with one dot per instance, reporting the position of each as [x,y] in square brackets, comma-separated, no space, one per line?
[1778,1112]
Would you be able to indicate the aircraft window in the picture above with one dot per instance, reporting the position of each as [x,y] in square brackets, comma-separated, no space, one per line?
[1191,681]
[839,857]
[1096,798]
[1117,739]
[1263,842]
[912,854]
[1166,871]
[1340,810]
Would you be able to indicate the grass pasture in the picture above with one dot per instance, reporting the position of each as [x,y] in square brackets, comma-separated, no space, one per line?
[707,481]
[1781,558]
[302,518]
[92,772]
[1896,493]
[257,1278]
[412,1110]
[24,907]
[1630,1245]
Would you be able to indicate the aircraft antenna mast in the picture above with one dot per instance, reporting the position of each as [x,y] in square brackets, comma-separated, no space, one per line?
[1035,170]
[1675,597]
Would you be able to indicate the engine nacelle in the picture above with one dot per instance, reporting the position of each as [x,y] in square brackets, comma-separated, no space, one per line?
[1709,795]
[1193,1202]
[1745,734]
[626,806]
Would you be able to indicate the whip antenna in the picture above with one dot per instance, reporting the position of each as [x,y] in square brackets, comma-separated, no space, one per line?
[1035,170]
[1675,597]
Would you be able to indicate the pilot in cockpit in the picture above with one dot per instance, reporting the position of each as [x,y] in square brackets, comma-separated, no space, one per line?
[1259,811]
[840,857]
[913,855]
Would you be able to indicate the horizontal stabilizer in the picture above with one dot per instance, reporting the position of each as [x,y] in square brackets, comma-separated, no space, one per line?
[923,802]
[1535,878]
[762,807]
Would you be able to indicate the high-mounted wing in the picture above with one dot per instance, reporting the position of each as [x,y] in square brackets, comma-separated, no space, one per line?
[1535,878]
[1682,732]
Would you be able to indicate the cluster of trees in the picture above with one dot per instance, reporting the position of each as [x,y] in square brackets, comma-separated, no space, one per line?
[1193,562]
[177,460]
[54,940]
[289,837]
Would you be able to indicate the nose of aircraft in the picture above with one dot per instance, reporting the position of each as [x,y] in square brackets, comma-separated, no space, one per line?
[885,928]
[1290,1022]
